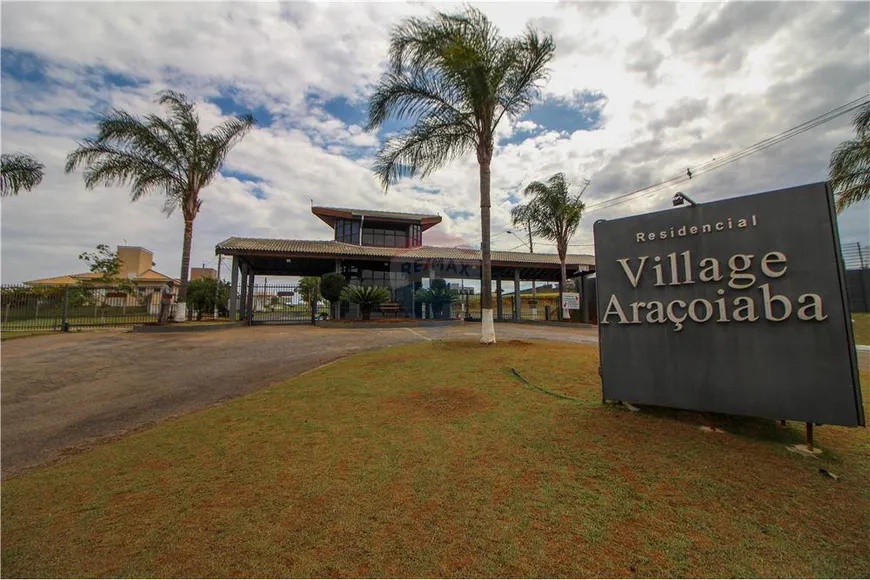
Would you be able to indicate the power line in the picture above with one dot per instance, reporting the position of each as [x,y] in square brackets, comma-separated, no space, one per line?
[732,157]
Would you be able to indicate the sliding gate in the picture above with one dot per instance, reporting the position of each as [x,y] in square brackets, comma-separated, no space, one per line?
[281,304]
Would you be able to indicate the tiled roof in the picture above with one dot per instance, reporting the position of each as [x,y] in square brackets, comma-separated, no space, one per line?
[330,248]
[152,275]
[376,213]
[73,279]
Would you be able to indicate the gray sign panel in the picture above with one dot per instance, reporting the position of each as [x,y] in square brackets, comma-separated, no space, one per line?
[735,306]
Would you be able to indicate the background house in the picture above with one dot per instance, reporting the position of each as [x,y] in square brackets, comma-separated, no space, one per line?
[136,265]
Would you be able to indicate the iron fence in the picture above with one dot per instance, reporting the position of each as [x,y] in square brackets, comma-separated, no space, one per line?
[30,308]
[855,256]
[282,304]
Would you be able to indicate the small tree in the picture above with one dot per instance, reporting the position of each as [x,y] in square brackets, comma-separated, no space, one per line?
[105,262]
[438,295]
[552,213]
[309,288]
[208,294]
[366,296]
[331,285]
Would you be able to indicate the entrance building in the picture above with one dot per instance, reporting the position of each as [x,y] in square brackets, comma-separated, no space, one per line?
[382,248]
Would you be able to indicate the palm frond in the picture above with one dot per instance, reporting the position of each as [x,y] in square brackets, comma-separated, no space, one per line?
[217,144]
[552,212]
[849,172]
[423,148]
[19,172]
[400,95]
[453,69]
[109,166]
[861,121]
[521,85]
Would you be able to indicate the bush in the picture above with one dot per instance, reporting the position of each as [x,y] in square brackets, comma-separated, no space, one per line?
[206,294]
[366,296]
[309,288]
[438,295]
[331,285]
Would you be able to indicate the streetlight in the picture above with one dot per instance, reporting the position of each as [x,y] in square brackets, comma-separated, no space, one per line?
[514,234]
[680,198]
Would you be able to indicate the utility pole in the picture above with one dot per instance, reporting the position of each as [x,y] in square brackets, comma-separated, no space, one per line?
[534,282]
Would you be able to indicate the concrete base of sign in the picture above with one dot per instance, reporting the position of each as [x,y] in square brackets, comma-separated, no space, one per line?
[802,449]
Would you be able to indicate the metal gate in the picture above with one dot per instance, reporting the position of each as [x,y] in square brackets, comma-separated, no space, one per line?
[282,304]
[45,308]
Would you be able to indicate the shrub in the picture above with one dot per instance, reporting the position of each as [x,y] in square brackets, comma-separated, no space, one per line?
[438,295]
[366,296]
[309,288]
[331,285]
[206,294]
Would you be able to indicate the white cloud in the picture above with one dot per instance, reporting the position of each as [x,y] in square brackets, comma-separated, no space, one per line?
[683,83]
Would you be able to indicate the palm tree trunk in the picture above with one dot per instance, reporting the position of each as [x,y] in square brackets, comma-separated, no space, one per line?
[563,313]
[487,333]
[185,259]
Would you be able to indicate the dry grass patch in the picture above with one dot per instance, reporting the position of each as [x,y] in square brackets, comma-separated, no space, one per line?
[432,459]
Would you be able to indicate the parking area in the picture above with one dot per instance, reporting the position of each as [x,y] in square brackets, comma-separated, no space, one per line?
[62,392]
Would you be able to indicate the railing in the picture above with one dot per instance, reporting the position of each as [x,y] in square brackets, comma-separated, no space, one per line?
[31,308]
[855,256]
[281,304]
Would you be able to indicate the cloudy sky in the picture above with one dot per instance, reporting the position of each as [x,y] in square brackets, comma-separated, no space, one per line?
[638,93]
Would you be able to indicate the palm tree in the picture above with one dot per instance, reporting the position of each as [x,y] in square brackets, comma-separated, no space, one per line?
[554,214]
[19,171]
[456,77]
[850,163]
[160,155]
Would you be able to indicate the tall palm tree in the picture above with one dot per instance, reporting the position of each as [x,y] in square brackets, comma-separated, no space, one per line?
[19,171]
[850,163]
[160,155]
[554,214]
[457,78]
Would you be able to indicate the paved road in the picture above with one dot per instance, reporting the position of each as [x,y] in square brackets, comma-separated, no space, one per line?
[64,391]
[68,390]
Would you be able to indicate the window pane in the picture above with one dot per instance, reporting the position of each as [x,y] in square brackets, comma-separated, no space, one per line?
[379,239]
[367,237]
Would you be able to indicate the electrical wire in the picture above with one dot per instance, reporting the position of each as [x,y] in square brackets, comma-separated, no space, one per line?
[716,163]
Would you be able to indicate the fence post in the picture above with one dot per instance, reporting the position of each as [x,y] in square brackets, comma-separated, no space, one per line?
[64,325]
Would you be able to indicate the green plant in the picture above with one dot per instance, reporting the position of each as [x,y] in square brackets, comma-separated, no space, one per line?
[367,297]
[850,163]
[331,285]
[309,288]
[438,295]
[207,294]
[19,171]
[106,263]
[552,213]
[456,76]
[156,154]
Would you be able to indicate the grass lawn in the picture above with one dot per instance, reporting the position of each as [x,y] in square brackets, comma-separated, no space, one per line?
[432,459]
[861,327]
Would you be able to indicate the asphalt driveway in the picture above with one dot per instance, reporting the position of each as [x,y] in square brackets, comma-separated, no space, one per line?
[63,392]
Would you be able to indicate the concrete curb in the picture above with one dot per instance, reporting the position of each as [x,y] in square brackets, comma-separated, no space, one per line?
[384,325]
[549,323]
[187,327]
